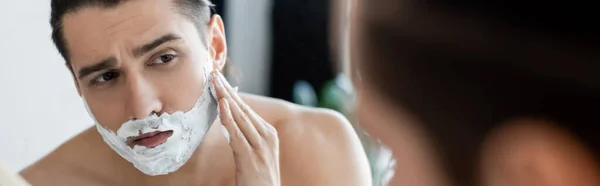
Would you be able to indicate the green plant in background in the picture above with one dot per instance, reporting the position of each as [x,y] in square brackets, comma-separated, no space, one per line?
[304,94]
[338,94]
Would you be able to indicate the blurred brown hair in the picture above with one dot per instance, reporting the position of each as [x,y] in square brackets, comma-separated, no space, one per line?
[462,67]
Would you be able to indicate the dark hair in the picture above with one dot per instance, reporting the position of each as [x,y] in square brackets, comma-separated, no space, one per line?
[462,67]
[199,11]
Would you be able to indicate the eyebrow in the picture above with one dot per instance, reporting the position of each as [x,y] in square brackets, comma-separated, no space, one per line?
[155,43]
[111,62]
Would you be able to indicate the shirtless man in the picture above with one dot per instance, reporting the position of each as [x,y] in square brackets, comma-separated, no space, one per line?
[138,59]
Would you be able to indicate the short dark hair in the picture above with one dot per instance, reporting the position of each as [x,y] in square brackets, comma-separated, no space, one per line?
[462,67]
[199,11]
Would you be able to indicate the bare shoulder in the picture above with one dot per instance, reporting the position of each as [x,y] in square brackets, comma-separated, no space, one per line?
[72,163]
[283,114]
[292,120]
[317,146]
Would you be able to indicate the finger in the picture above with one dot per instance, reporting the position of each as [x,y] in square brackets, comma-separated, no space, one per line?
[220,93]
[241,119]
[238,141]
[255,119]
[244,124]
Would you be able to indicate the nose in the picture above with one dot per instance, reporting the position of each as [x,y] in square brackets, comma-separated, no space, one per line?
[142,98]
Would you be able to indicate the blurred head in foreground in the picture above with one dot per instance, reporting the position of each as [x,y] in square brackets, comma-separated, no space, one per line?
[479,93]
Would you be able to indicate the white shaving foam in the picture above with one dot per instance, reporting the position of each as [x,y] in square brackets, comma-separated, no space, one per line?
[188,129]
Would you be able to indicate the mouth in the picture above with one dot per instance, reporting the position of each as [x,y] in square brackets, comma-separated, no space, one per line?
[150,140]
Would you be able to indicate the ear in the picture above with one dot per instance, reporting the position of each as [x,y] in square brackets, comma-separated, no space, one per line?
[74,78]
[218,44]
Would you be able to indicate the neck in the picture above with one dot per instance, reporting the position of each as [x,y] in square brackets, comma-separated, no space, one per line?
[211,164]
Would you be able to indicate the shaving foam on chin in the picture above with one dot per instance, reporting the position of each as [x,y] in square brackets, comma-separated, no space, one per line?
[188,129]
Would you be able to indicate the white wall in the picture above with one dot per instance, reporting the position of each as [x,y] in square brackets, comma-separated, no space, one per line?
[39,105]
[248,34]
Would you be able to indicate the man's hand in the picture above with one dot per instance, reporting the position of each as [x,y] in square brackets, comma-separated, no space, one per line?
[254,141]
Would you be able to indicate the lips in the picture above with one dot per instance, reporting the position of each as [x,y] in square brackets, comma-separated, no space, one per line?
[150,139]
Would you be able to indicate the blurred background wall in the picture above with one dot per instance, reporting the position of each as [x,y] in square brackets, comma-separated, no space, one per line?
[39,105]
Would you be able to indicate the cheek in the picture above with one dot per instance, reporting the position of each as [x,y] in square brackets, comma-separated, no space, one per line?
[182,86]
[110,113]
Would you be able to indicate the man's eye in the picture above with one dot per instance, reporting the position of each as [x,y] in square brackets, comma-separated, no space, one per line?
[107,76]
[164,59]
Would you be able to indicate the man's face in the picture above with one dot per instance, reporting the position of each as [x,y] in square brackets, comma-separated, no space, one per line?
[139,58]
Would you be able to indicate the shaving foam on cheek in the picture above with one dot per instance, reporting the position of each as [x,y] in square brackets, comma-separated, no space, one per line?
[188,129]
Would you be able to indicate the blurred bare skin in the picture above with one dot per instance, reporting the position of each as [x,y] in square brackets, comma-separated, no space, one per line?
[317,147]
[523,151]
[416,163]
[535,152]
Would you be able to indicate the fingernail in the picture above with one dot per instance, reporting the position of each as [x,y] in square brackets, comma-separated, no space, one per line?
[213,74]
[213,81]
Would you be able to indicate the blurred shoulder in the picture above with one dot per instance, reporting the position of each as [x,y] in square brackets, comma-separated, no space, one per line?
[540,151]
